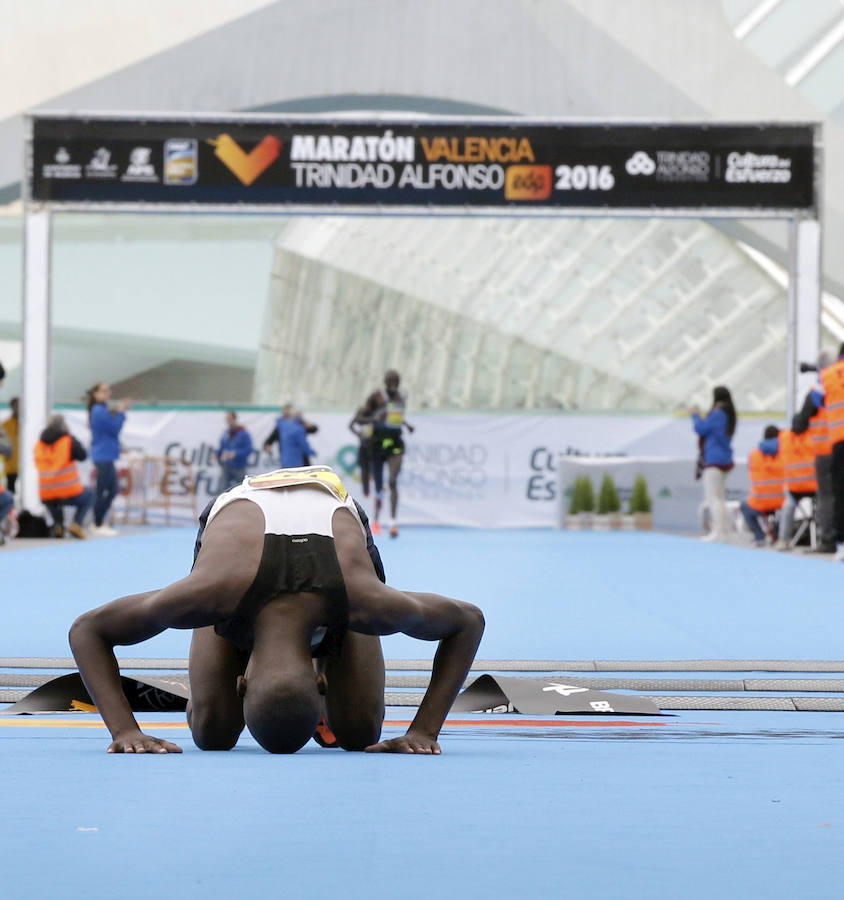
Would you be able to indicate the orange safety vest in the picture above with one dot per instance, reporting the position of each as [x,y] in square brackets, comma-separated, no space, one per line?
[798,458]
[766,481]
[832,379]
[819,432]
[58,476]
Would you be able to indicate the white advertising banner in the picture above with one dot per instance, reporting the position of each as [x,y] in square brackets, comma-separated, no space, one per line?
[485,471]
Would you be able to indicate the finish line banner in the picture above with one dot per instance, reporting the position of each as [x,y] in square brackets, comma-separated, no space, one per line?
[330,164]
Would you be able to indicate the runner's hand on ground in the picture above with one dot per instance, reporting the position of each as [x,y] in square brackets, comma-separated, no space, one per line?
[408,743]
[138,742]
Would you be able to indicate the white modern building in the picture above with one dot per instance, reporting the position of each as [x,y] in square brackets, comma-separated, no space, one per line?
[480,314]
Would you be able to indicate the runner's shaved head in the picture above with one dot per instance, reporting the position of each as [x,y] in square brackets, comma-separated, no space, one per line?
[281,712]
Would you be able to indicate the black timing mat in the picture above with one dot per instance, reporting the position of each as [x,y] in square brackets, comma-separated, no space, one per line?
[67,693]
[546,696]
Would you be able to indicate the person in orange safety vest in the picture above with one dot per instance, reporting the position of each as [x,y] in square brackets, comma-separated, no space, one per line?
[798,460]
[767,492]
[59,484]
[822,415]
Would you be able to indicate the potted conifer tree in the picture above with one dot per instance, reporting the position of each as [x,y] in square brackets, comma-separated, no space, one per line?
[586,502]
[609,505]
[641,506]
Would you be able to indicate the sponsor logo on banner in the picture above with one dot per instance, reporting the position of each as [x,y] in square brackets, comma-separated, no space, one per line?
[62,166]
[670,165]
[181,161]
[543,481]
[682,165]
[246,166]
[760,169]
[527,183]
[444,470]
[100,164]
[205,468]
[640,164]
[140,168]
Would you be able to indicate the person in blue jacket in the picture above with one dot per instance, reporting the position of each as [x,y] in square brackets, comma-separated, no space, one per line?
[292,436]
[106,423]
[233,452]
[7,498]
[716,458]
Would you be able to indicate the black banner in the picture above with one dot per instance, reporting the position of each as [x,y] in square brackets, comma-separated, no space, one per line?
[497,164]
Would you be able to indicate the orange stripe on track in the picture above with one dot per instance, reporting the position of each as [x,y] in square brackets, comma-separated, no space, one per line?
[539,723]
[552,723]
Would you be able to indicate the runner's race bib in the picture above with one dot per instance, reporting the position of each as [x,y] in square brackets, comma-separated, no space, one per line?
[395,416]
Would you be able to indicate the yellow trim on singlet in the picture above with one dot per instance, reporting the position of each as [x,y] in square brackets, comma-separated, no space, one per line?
[319,476]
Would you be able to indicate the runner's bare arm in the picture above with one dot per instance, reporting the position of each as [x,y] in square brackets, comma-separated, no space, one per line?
[452,662]
[375,608]
[457,626]
[126,621]
[356,423]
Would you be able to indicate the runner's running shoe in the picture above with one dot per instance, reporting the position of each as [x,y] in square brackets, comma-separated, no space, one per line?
[324,736]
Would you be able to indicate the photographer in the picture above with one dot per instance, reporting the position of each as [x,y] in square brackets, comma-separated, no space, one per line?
[822,414]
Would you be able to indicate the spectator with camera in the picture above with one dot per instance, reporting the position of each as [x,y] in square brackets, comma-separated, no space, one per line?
[715,431]
[106,423]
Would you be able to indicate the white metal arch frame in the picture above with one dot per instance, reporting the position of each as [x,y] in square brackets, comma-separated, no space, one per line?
[457,165]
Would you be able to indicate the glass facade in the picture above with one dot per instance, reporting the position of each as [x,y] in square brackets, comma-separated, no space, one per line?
[520,314]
